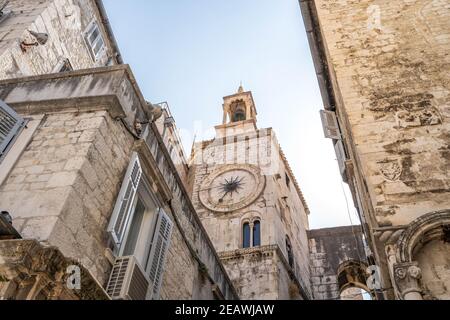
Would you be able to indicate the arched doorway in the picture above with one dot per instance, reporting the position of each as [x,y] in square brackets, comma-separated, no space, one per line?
[423,251]
[355,293]
[352,281]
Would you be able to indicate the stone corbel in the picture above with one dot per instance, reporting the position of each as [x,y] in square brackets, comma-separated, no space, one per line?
[407,277]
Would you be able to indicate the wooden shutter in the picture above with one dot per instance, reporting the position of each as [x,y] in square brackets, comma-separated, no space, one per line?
[123,210]
[160,246]
[330,125]
[341,156]
[10,125]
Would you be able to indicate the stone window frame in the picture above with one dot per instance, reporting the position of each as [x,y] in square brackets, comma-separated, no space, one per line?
[290,253]
[251,222]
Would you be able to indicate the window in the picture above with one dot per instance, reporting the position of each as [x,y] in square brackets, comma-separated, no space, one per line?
[139,227]
[289,252]
[257,234]
[10,126]
[246,235]
[288,181]
[251,234]
[94,40]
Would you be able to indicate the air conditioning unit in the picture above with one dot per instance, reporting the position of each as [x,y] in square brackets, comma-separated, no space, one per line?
[128,281]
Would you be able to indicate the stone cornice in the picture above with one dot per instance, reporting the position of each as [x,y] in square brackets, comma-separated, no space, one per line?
[269,250]
[109,88]
[237,254]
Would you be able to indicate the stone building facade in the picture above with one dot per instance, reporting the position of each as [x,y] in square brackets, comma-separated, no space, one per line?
[383,68]
[251,205]
[73,35]
[98,200]
[89,192]
[338,263]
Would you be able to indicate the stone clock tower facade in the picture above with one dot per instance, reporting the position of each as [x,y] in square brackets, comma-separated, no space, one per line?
[251,205]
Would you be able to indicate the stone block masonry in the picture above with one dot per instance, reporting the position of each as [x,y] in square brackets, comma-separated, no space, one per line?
[64,186]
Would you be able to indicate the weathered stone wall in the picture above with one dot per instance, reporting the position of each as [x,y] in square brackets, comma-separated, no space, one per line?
[63,188]
[387,66]
[259,274]
[169,132]
[330,248]
[393,82]
[65,21]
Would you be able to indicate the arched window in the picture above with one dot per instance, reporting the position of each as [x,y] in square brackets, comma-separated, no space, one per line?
[251,234]
[289,252]
[246,235]
[257,233]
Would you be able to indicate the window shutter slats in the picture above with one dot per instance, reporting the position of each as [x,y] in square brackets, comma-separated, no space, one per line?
[341,156]
[95,40]
[122,211]
[160,246]
[10,125]
[330,125]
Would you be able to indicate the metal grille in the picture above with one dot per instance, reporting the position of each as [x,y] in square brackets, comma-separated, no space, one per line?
[138,285]
[127,280]
[117,278]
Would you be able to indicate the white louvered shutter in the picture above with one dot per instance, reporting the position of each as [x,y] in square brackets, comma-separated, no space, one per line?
[330,125]
[160,246]
[124,204]
[10,125]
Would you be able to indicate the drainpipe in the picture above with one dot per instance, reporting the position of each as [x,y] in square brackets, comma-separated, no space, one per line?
[107,25]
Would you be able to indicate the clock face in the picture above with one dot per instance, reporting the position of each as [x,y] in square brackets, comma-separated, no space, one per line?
[232,188]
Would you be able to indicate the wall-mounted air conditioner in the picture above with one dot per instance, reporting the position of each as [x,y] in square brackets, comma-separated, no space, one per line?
[128,281]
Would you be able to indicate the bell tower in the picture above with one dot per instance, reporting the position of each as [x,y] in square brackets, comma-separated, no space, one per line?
[239,114]
[251,205]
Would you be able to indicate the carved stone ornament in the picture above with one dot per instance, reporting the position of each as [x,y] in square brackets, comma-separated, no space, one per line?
[415,272]
[407,278]
[400,273]
[391,170]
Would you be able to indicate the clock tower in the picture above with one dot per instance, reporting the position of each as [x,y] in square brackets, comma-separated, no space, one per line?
[251,205]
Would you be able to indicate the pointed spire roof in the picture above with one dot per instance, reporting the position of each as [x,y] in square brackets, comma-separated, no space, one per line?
[241,88]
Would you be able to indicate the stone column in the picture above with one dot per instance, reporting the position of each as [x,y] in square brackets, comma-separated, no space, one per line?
[407,276]
[225,115]
[8,290]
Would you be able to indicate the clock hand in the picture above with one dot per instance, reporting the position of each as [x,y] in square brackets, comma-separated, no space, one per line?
[221,199]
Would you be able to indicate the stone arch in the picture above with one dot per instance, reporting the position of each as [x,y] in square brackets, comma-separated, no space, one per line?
[250,218]
[422,230]
[353,274]
[416,253]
